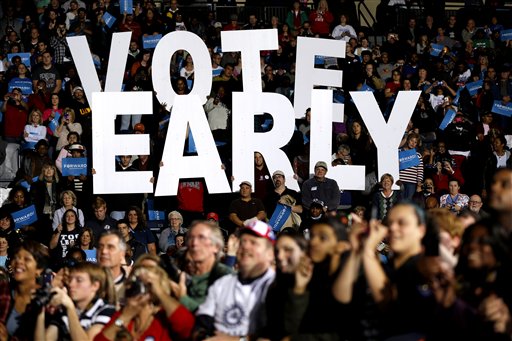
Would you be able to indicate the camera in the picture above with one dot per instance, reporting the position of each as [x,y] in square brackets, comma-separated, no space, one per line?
[440,83]
[44,294]
[135,287]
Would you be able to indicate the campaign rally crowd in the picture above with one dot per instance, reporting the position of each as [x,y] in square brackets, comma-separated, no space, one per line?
[425,256]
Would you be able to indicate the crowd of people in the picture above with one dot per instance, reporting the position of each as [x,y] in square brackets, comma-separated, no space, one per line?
[426,256]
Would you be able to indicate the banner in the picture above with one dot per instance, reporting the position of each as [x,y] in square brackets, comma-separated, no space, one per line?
[436,49]
[150,42]
[448,118]
[408,158]
[503,109]
[474,87]
[25,58]
[279,217]
[506,35]
[25,85]
[74,166]
[109,19]
[126,6]
[24,217]
[54,123]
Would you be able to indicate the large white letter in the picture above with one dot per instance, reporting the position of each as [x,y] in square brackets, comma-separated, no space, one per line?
[347,177]
[188,111]
[307,76]
[387,136]
[161,65]
[106,145]
[246,141]
[250,43]
[85,67]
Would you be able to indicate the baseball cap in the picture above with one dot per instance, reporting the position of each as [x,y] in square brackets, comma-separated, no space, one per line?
[212,215]
[317,202]
[139,127]
[76,88]
[321,164]
[258,228]
[217,25]
[278,172]
[248,183]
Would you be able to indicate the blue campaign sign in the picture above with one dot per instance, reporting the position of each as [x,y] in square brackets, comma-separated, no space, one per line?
[27,185]
[279,217]
[90,255]
[448,118]
[366,87]
[150,42]
[24,217]
[25,58]
[109,19]
[503,109]
[506,35]
[153,214]
[74,166]
[474,87]
[436,49]
[54,123]
[126,6]
[25,85]
[457,97]
[408,158]
[319,60]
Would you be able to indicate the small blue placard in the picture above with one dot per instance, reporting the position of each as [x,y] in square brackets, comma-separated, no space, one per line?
[90,255]
[448,118]
[25,85]
[503,109]
[24,217]
[54,123]
[109,19]
[408,158]
[27,185]
[279,217]
[74,166]
[366,87]
[25,58]
[319,60]
[150,42]
[436,49]
[126,6]
[457,97]
[506,35]
[474,87]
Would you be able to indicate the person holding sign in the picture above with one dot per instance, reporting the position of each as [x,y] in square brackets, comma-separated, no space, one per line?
[67,125]
[76,180]
[73,138]
[413,173]
[7,228]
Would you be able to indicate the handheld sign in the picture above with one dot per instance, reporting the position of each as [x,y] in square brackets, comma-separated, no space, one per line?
[408,158]
[74,166]
[24,217]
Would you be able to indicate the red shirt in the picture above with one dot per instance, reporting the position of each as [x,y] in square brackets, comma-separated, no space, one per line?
[321,23]
[180,323]
[15,118]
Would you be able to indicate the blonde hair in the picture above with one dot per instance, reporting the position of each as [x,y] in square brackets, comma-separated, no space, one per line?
[32,114]
[70,112]
[71,194]
[97,273]
[45,167]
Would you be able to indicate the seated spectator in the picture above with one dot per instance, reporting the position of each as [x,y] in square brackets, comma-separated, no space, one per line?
[68,202]
[385,198]
[34,130]
[454,201]
[246,207]
[168,236]
[137,224]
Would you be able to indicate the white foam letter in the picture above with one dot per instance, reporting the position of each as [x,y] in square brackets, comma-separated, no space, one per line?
[307,76]
[188,111]
[387,136]
[167,46]
[85,67]
[106,145]
[246,141]
[250,43]
[347,177]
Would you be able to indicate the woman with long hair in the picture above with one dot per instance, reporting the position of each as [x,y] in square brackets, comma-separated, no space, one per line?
[88,304]
[34,129]
[66,234]
[141,233]
[67,125]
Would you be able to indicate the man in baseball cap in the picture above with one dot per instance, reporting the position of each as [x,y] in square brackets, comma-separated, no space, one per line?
[246,207]
[322,188]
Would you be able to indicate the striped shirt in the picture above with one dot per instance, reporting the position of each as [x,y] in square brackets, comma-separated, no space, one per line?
[413,174]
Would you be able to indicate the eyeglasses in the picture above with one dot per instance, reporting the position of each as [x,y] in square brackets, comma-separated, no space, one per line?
[474,202]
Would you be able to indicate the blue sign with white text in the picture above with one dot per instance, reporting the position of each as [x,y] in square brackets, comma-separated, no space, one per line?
[474,87]
[24,217]
[74,166]
[503,109]
[126,6]
[506,35]
[150,42]
[436,49]
[408,158]
[448,118]
[279,217]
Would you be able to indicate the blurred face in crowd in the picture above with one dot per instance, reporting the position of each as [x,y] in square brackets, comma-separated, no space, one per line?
[405,230]
[100,212]
[5,223]
[124,229]
[19,198]
[453,187]
[24,267]
[200,245]
[258,159]
[254,255]
[288,254]
[478,251]
[85,239]
[245,191]
[109,254]
[4,245]
[133,218]
[81,288]
[322,243]
[320,173]
[67,200]
[501,191]
[175,221]
[475,203]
